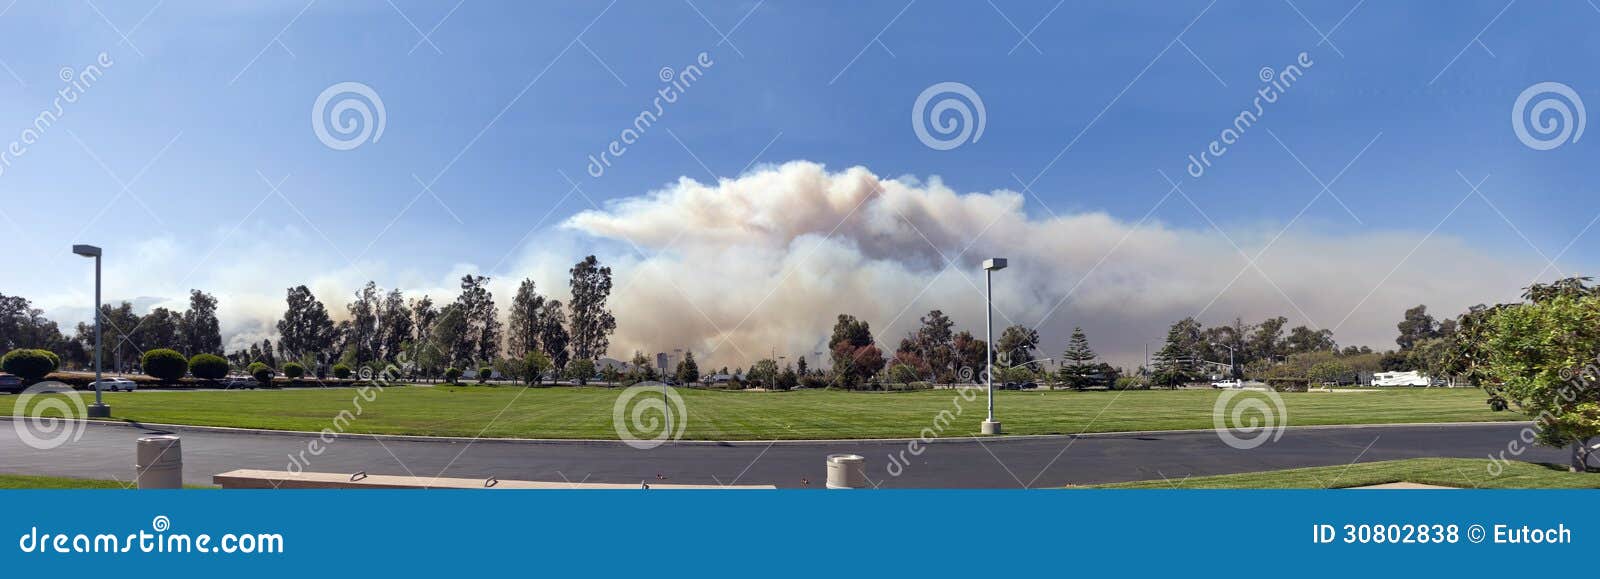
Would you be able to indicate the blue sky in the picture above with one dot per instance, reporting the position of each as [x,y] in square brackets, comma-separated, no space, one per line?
[493,103]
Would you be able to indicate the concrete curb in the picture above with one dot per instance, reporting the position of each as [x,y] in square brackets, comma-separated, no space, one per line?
[953,439]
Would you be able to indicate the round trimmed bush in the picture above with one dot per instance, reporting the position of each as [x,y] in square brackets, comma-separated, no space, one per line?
[451,373]
[30,364]
[164,364]
[341,371]
[55,361]
[485,373]
[294,370]
[208,366]
[261,372]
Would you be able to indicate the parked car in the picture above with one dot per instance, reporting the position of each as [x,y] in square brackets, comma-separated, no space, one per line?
[1231,384]
[1028,386]
[10,383]
[114,385]
[232,383]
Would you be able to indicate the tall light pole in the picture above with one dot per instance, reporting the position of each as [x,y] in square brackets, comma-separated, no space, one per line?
[1231,367]
[991,265]
[99,410]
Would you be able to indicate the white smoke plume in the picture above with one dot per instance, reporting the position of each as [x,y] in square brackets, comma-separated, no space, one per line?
[762,264]
[736,270]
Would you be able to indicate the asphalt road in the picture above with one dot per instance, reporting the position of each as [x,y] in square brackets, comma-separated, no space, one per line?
[107,452]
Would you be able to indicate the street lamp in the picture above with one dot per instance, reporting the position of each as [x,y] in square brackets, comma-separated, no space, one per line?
[1231,367]
[99,410]
[991,265]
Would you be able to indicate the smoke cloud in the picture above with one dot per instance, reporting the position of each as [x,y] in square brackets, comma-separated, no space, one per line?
[741,268]
[762,264]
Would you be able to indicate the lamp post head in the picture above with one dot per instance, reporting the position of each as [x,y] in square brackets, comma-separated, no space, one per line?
[994,264]
[86,250]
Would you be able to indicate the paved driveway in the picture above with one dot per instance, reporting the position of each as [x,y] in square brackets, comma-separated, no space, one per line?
[107,452]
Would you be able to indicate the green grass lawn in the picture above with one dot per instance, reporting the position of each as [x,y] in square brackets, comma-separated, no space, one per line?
[27,481]
[1451,472]
[19,481]
[568,412]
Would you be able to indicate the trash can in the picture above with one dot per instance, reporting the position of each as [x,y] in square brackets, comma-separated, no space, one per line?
[160,463]
[847,471]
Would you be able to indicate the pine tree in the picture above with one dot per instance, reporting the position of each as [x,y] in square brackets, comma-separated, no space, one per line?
[267,355]
[394,325]
[553,335]
[592,324]
[1016,345]
[481,340]
[364,322]
[523,331]
[201,332]
[1078,369]
[688,370]
[641,367]
[1174,363]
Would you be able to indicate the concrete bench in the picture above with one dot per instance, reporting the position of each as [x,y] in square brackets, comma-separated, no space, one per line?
[277,479]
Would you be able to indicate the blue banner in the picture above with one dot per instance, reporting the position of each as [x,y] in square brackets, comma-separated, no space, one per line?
[792,533]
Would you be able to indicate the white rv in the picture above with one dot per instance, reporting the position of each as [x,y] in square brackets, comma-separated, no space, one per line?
[1399,379]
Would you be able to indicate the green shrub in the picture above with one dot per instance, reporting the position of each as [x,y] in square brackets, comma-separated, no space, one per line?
[484,373]
[1131,383]
[581,370]
[208,366]
[55,361]
[30,364]
[294,370]
[341,371]
[534,367]
[451,373]
[261,372]
[1288,384]
[164,364]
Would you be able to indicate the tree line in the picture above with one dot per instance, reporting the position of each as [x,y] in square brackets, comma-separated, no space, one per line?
[380,328]
[125,332]
[937,353]
[431,339]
